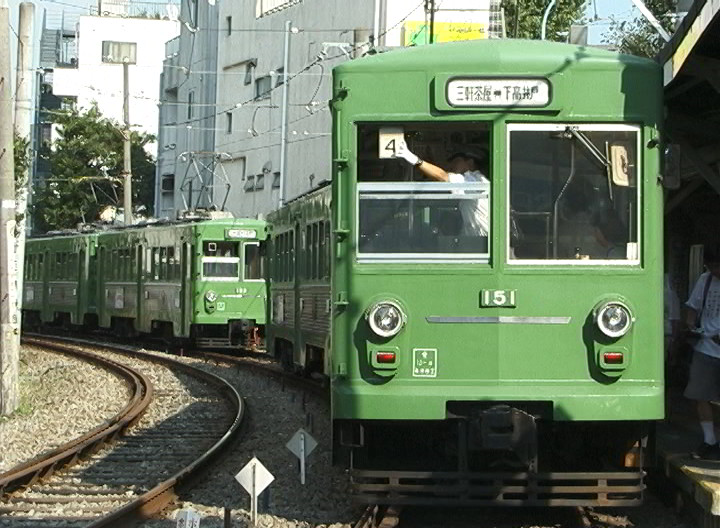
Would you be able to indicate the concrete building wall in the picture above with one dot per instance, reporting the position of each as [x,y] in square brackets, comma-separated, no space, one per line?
[186,138]
[250,56]
[92,80]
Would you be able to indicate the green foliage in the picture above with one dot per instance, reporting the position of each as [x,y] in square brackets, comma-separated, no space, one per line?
[86,171]
[21,155]
[524,18]
[638,37]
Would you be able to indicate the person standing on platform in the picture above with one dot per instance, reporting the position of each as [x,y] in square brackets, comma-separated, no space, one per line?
[703,318]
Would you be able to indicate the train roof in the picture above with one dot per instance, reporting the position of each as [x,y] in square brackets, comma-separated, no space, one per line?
[513,55]
[96,229]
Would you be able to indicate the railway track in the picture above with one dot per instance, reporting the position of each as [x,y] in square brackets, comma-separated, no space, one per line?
[110,478]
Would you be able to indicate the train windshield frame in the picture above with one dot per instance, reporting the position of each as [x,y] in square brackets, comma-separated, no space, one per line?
[402,216]
[220,260]
[574,194]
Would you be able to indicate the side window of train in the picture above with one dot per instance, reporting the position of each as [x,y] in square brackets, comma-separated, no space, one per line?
[574,193]
[253,262]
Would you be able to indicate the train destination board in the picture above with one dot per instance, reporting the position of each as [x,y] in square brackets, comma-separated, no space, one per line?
[498,92]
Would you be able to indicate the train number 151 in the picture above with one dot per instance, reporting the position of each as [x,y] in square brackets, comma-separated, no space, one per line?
[504,298]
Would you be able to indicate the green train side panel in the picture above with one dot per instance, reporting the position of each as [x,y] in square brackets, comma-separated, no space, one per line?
[496,362]
[301,303]
[59,277]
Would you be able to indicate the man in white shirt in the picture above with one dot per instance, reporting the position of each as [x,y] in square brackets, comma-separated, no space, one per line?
[703,317]
[464,168]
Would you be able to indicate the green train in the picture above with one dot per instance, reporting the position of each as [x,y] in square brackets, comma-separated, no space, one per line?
[201,282]
[481,283]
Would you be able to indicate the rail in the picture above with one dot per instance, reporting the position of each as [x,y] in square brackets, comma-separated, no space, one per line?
[47,463]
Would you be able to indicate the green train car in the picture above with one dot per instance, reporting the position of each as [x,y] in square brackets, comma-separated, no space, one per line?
[200,282]
[60,280]
[299,324]
[495,329]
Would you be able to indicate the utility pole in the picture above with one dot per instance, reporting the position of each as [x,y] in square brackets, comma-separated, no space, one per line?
[284,116]
[9,349]
[127,162]
[23,114]
[432,21]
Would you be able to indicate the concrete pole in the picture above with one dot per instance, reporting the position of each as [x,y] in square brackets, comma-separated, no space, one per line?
[23,116]
[284,117]
[9,350]
[127,163]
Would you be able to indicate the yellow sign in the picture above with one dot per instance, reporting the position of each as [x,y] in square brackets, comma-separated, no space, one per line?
[418,33]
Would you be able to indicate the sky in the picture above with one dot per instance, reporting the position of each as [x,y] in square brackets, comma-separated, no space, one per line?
[603,8]
[598,13]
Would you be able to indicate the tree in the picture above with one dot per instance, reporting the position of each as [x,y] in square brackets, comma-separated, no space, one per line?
[86,171]
[524,18]
[638,36]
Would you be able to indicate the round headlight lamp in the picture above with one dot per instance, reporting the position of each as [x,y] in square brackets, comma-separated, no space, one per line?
[613,319]
[210,296]
[386,318]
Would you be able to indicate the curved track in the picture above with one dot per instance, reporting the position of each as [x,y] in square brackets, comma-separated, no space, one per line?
[139,473]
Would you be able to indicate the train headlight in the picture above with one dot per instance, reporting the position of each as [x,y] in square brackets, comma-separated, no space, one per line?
[613,319]
[386,318]
[210,296]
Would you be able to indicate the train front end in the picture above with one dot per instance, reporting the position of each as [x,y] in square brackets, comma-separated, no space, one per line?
[522,365]
[228,278]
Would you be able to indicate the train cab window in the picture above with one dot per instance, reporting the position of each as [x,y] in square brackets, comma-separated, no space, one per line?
[221,260]
[574,194]
[409,213]
[254,262]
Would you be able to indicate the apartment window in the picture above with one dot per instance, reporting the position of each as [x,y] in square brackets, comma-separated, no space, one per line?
[276,180]
[119,52]
[228,122]
[249,184]
[280,76]
[191,100]
[228,25]
[167,183]
[263,85]
[259,182]
[249,70]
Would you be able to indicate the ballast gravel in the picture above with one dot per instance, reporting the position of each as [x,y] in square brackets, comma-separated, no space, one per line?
[60,399]
[274,414]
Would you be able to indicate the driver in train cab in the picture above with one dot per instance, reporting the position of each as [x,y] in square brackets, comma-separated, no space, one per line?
[463,167]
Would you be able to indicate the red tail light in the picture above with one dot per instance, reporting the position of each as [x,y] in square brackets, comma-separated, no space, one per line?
[613,358]
[385,357]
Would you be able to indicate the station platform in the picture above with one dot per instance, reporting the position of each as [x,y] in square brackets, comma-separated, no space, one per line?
[694,484]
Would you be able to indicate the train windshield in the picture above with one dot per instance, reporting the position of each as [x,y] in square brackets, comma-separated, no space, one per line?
[404,213]
[221,260]
[574,193]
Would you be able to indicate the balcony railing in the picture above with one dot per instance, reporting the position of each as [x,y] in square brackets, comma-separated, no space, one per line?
[167,10]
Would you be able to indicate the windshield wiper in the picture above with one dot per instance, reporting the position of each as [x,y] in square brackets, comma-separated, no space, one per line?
[596,153]
[589,145]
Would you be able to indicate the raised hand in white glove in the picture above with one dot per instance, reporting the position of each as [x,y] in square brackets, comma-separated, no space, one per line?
[403,152]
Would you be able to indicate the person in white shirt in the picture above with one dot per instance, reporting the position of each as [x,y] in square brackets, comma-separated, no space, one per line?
[703,317]
[464,168]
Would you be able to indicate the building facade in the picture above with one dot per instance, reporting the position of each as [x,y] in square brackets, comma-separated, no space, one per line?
[187,165]
[96,74]
[250,76]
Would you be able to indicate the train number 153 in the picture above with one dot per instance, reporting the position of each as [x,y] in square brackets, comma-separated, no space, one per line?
[504,298]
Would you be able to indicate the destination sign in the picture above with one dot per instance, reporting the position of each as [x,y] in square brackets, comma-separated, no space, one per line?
[498,92]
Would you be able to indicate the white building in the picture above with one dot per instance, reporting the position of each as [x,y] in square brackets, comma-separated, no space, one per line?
[247,110]
[94,79]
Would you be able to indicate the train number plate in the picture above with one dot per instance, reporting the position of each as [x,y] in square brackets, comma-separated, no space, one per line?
[498,298]
[424,363]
